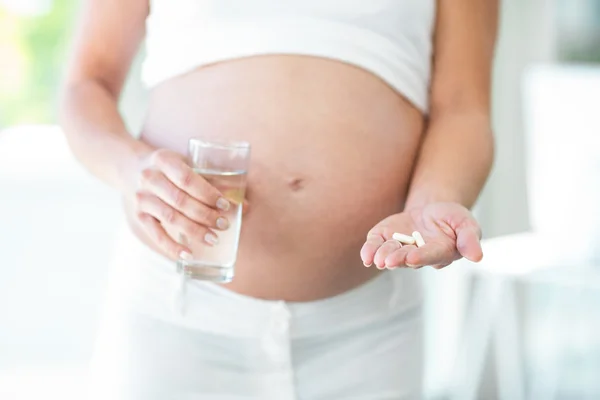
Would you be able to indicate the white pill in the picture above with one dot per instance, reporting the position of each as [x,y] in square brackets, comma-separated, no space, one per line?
[418,239]
[404,239]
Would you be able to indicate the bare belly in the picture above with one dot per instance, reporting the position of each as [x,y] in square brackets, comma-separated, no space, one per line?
[332,152]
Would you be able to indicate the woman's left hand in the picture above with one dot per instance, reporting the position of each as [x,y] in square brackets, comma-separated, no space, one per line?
[449,230]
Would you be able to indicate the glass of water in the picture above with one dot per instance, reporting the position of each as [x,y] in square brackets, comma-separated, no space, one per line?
[224,165]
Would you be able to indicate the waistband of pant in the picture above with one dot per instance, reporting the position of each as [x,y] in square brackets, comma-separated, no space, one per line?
[144,281]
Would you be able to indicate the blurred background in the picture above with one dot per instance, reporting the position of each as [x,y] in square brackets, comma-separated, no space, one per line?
[524,324]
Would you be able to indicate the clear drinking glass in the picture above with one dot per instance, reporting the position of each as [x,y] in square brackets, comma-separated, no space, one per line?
[225,166]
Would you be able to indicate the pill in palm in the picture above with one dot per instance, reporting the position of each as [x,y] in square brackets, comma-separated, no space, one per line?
[418,239]
[404,239]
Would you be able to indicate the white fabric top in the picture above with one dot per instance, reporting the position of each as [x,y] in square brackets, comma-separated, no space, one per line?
[390,38]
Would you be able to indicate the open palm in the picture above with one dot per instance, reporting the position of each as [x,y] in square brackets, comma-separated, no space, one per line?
[449,230]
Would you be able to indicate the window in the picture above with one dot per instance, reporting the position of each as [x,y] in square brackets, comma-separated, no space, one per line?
[33,37]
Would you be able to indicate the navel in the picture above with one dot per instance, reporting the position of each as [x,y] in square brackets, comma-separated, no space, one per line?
[296,184]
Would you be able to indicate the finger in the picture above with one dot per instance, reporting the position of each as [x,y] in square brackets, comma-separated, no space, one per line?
[397,258]
[180,173]
[158,234]
[245,207]
[156,182]
[440,266]
[432,253]
[167,215]
[384,251]
[468,243]
[367,253]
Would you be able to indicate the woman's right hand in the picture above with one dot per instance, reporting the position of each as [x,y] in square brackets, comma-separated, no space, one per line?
[168,196]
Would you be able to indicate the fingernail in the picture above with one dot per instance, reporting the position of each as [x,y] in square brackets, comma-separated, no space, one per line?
[223,204]
[367,265]
[211,238]
[222,223]
[184,255]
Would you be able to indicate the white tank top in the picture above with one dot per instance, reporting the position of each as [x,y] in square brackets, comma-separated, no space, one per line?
[390,38]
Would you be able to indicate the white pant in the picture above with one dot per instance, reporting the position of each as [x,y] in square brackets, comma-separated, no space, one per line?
[362,344]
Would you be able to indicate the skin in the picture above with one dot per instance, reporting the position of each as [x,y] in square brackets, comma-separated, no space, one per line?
[457,151]
[321,131]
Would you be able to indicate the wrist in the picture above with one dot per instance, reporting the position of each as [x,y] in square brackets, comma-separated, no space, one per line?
[422,199]
[129,162]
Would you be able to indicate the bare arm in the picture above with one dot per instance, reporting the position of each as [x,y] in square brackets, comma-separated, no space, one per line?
[457,151]
[158,184]
[107,39]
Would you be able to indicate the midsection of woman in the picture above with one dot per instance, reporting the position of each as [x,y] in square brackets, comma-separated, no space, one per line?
[333,148]
[319,89]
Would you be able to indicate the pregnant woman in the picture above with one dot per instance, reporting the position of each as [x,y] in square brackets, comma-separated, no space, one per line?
[365,118]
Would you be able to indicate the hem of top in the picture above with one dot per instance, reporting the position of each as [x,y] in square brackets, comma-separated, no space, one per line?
[351,45]
[401,89]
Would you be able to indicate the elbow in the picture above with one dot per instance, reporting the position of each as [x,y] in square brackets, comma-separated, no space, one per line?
[73,98]
[77,93]
[64,111]
[67,112]
[64,100]
[488,147]
[73,101]
[489,151]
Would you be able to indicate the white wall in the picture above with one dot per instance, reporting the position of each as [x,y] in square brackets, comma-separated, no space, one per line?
[527,36]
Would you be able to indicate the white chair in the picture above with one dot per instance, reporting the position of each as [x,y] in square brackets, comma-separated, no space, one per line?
[561,251]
